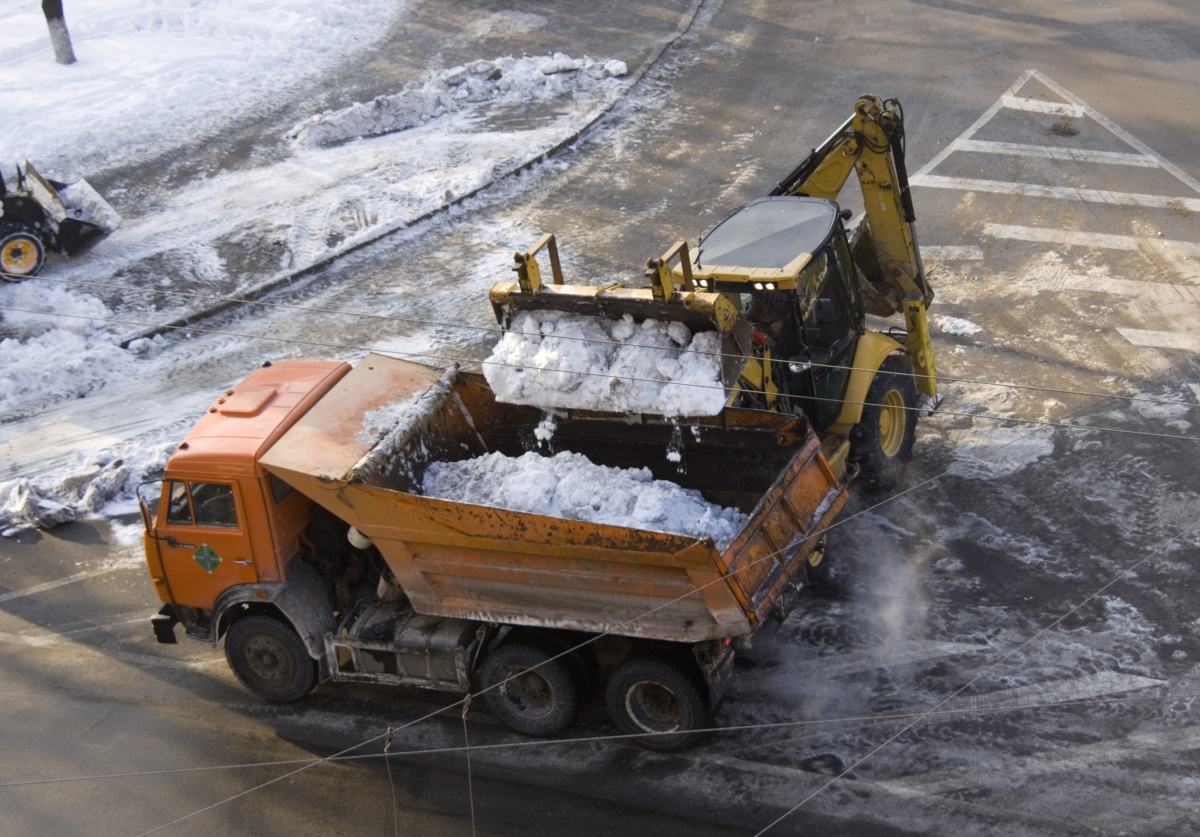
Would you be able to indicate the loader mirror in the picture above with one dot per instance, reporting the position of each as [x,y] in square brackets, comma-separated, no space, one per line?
[823,312]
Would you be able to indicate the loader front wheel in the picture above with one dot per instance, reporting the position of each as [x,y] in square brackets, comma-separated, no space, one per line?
[529,691]
[882,441]
[270,659]
[659,700]
[21,253]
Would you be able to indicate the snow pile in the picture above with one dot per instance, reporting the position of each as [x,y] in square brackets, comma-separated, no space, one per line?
[394,425]
[84,202]
[553,359]
[569,485]
[501,81]
[154,75]
[64,353]
[105,484]
[956,326]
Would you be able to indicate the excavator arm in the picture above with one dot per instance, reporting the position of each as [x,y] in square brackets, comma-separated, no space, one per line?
[892,278]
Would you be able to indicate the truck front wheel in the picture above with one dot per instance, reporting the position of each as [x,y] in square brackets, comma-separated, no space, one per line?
[270,659]
[527,690]
[659,700]
[882,441]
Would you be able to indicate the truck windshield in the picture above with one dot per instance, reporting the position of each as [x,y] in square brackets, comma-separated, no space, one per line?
[211,504]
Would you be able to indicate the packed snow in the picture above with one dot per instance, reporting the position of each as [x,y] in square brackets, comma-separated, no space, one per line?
[552,359]
[151,78]
[569,485]
[504,80]
[956,325]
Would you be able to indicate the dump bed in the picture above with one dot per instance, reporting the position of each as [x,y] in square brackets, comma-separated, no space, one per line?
[362,450]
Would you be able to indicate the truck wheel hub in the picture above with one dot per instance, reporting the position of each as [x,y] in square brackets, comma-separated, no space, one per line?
[267,659]
[654,707]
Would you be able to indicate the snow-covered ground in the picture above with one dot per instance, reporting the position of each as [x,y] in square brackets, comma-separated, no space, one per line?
[151,78]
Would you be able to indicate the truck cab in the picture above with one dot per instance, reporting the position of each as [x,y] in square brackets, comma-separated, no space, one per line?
[218,521]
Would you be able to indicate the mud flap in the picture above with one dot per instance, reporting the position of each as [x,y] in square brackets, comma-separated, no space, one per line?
[164,623]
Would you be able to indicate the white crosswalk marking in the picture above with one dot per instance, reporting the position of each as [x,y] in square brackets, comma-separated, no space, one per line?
[1165,303]
[1078,155]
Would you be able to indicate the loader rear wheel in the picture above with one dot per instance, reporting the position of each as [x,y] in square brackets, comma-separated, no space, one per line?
[660,700]
[527,690]
[270,659]
[21,253]
[882,441]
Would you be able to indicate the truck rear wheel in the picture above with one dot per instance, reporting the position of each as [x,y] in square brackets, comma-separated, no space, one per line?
[21,253]
[270,659]
[882,441]
[659,700]
[527,690]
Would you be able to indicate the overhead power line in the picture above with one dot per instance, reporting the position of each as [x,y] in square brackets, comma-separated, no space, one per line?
[459,360]
[497,330]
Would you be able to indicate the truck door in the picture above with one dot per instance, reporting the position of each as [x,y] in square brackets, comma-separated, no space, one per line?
[202,540]
[830,333]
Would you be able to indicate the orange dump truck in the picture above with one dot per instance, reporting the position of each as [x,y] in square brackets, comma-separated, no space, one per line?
[291,523]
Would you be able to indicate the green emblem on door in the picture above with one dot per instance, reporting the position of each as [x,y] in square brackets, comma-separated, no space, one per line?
[206,558]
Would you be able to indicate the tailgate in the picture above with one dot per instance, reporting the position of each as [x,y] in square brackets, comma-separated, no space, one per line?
[783,530]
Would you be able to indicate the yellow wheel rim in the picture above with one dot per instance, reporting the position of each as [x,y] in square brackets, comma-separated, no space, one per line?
[19,256]
[892,420]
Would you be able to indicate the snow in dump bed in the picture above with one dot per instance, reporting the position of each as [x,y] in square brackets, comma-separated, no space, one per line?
[569,485]
[552,359]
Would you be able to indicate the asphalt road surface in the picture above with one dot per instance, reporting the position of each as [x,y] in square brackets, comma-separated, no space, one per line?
[1007,645]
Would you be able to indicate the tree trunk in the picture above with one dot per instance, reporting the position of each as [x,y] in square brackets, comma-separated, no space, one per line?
[60,39]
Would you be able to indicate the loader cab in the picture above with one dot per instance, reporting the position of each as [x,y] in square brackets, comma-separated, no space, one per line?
[785,263]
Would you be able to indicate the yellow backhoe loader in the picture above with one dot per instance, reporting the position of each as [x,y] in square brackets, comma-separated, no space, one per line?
[789,290]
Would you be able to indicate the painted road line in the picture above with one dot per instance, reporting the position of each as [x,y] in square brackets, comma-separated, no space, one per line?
[1117,130]
[71,579]
[1077,238]
[1038,106]
[951,252]
[1160,293]
[1096,685]
[1079,155]
[1033,190]
[984,118]
[1161,339]
[21,639]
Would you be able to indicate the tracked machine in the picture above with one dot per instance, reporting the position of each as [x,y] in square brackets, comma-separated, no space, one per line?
[789,288]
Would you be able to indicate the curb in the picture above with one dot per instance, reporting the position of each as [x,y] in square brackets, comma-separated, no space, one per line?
[284,279]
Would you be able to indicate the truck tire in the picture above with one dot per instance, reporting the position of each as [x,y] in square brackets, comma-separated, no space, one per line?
[527,690]
[882,441]
[270,659]
[579,659]
[659,700]
[21,253]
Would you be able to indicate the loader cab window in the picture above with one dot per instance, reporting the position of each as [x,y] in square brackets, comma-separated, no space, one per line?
[201,504]
[831,321]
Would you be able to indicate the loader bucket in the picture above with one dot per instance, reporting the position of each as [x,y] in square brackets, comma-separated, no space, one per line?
[80,215]
[664,302]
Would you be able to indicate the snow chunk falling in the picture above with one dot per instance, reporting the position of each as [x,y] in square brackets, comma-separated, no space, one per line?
[569,485]
[554,359]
